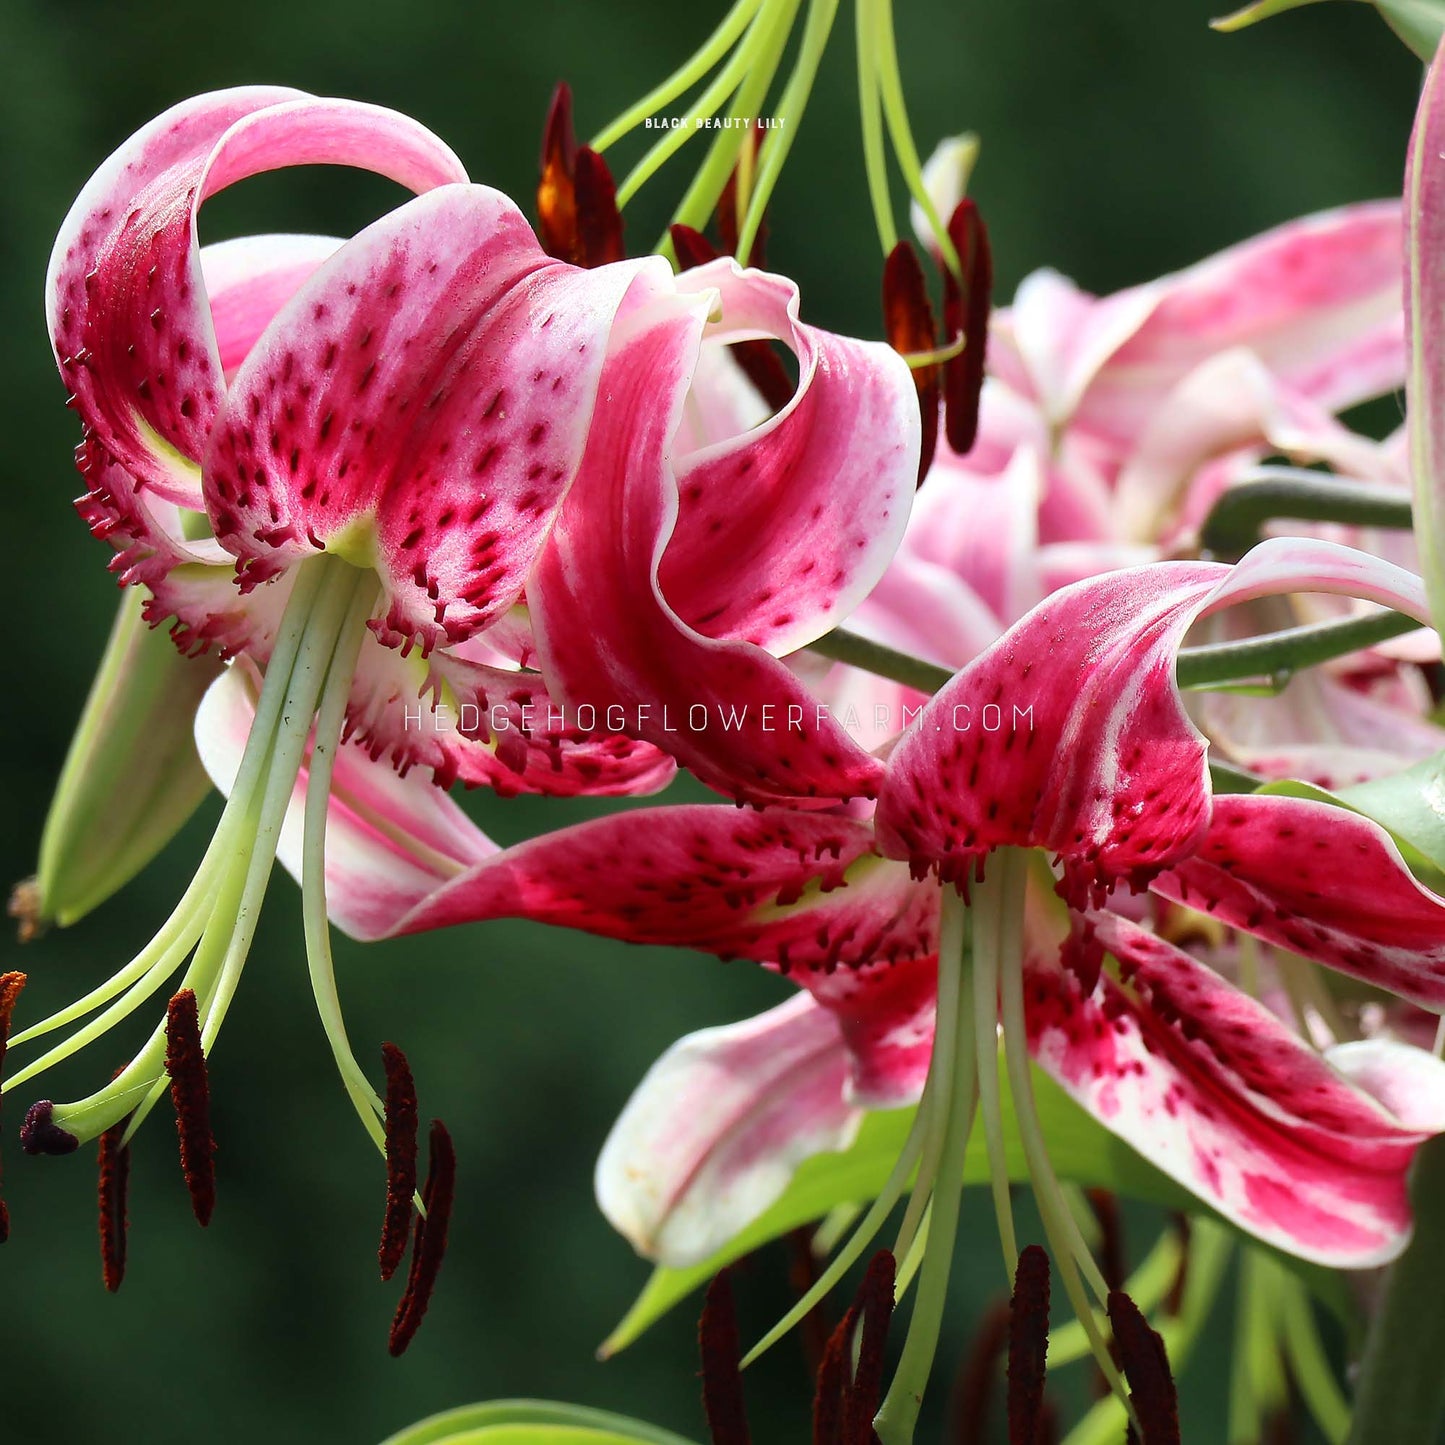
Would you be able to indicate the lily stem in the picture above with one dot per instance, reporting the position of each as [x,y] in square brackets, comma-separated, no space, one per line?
[1297,495]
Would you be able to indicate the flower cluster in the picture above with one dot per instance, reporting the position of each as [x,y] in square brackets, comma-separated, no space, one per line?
[455,504]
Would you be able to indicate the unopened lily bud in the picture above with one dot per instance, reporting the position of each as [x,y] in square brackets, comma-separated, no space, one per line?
[131,778]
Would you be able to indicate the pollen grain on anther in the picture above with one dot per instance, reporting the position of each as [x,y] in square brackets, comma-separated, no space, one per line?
[401,1148]
[191,1096]
[429,1240]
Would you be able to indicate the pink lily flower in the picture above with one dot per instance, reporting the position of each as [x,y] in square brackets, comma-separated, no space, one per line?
[1109,429]
[1308,1152]
[830,900]
[377,471]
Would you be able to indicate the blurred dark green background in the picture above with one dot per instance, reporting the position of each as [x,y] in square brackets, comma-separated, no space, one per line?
[1120,139]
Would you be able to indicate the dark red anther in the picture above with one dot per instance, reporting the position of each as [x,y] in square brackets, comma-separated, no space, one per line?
[875,1308]
[722,1378]
[40,1134]
[10,987]
[429,1242]
[401,1132]
[908,320]
[599,222]
[114,1179]
[760,363]
[577,216]
[830,1399]
[191,1097]
[692,247]
[556,191]
[729,223]
[1028,1344]
[965,311]
[1146,1367]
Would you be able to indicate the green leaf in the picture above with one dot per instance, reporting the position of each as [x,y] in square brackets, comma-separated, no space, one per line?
[1081,1149]
[531,1422]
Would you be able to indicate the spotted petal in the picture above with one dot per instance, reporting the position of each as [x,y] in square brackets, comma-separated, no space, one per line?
[1320,881]
[796,890]
[1217,1093]
[421,405]
[1087,751]
[126,295]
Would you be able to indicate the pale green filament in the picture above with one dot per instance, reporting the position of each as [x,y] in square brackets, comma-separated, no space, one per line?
[890,84]
[329,721]
[218,913]
[1071,1255]
[702,195]
[899,1414]
[930,1127]
[988,944]
[909,1264]
[1147,1287]
[684,77]
[871,115]
[789,114]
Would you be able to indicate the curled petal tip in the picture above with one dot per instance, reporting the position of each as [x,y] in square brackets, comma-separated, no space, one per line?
[40,1134]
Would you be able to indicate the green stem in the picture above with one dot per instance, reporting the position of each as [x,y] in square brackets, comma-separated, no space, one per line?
[1280,653]
[1211,665]
[1297,495]
[1401,1392]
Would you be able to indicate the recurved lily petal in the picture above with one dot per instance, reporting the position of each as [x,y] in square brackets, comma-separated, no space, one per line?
[1217,1093]
[1320,881]
[694,570]
[713,1133]
[795,890]
[1088,751]
[1425,315]
[390,841]
[469,370]
[126,294]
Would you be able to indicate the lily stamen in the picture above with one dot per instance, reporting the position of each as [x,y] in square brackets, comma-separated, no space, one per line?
[114,1162]
[10,986]
[429,1240]
[401,1139]
[191,1096]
